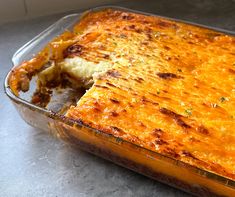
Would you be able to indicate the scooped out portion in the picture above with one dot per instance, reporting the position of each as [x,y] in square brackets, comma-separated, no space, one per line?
[76,71]
[72,72]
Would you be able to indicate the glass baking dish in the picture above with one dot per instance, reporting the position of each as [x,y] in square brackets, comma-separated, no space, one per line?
[152,164]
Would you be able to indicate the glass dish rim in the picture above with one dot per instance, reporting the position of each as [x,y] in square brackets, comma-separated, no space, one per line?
[50,114]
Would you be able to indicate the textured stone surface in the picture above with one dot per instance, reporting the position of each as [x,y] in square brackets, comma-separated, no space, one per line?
[33,163]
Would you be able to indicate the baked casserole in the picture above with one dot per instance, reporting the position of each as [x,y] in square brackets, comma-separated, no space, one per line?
[163,85]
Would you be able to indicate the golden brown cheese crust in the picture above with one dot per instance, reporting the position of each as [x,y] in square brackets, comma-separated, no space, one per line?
[171,89]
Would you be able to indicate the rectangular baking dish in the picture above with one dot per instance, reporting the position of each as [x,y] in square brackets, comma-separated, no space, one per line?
[159,167]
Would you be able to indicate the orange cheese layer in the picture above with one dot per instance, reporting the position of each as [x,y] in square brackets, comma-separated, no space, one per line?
[171,88]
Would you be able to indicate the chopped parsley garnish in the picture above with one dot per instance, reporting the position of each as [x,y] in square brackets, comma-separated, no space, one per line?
[188,111]
[223,99]
[157,34]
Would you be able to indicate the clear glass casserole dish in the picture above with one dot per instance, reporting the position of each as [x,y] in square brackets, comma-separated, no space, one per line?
[152,164]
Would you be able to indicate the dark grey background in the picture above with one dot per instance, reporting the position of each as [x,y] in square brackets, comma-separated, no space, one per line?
[33,163]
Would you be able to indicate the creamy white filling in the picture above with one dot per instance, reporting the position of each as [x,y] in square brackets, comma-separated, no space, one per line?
[83,69]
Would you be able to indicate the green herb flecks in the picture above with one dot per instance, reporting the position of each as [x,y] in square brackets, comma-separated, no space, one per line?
[188,111]
[157,34]
[223,99]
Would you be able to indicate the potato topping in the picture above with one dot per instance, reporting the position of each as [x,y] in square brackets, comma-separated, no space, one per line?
[171,87]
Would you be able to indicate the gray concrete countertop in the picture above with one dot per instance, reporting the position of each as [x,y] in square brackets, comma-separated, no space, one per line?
[33,163]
